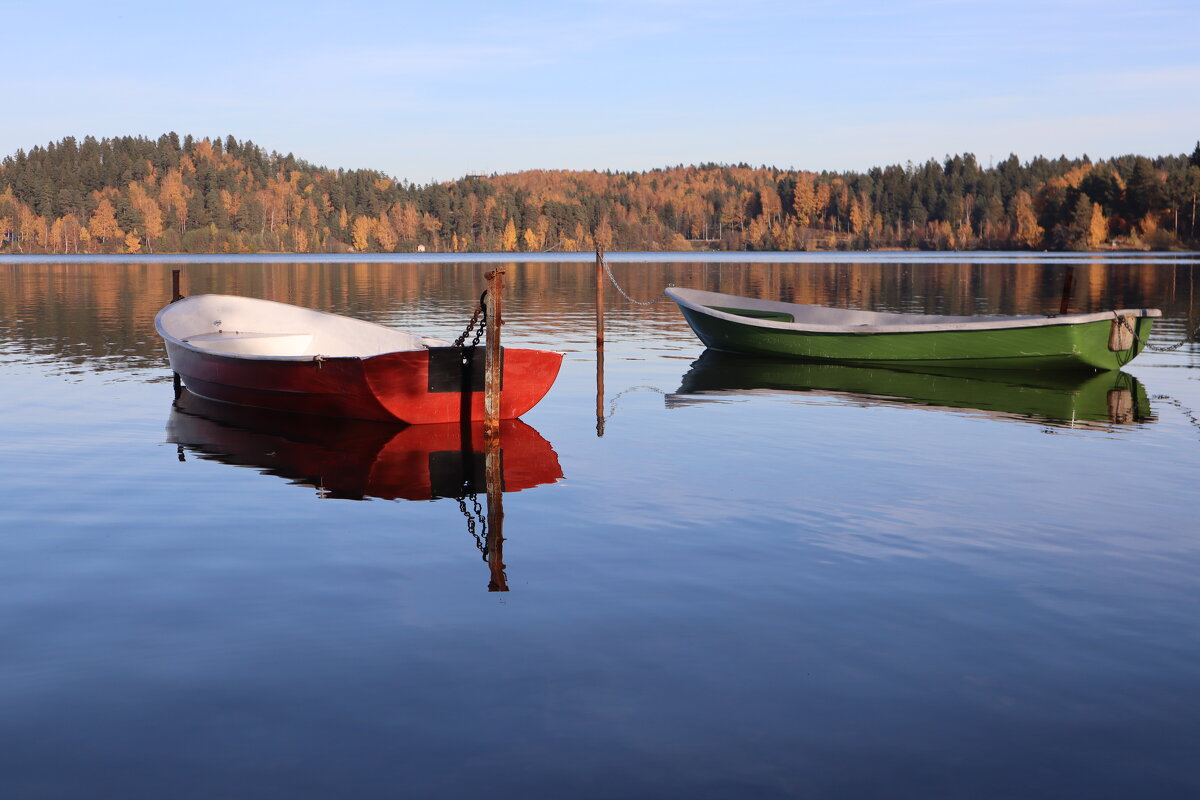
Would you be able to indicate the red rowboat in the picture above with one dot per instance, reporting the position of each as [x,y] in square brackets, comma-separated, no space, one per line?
[260,353]
[356,460]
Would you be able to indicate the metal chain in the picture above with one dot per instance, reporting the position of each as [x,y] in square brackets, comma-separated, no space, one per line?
[1156,348]
[476,519]
[625,294]
[479,330]
[476,513]
[479,316]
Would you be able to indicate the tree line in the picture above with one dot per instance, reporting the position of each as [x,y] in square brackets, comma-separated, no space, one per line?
[140,195]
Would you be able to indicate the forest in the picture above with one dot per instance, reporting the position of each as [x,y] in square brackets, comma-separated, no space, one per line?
[212,195]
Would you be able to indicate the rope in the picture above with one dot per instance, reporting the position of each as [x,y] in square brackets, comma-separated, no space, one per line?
[625,294]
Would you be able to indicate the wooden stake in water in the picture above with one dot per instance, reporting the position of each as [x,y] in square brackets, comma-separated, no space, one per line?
[493,304]
[599,295]
[493,464]
[599,340]
[175,295]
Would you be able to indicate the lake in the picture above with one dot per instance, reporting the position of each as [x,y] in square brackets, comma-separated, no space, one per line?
[725,579]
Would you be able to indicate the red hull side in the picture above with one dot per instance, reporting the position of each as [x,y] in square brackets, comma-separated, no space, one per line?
[388,388]
[400,382]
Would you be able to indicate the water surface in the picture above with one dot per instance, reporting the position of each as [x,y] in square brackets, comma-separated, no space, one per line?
[760,581]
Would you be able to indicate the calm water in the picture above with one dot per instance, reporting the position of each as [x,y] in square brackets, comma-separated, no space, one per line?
[761,581]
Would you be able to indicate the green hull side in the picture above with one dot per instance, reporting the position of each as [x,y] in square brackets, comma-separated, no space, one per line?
[1080,346]
[1050,396]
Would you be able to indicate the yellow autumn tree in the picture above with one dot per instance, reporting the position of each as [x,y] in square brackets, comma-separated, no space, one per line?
[1098,229]
[772,206]
[173,194]
[103,223]
[405,220]
[804,204]
[64,234]
[56,236]
[384,233]
[432,225]
[604,233]
[32,230]
[1028,232]
[151,214]
[530,240]
[857,218]
[757,233]
[964,234]
[508,239]
[229,202]
[360,234]
[821,198]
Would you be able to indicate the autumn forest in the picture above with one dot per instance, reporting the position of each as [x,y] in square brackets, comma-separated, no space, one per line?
[139,195]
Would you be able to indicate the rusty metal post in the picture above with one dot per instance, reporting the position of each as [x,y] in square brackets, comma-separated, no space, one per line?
[600,295]
[493,355]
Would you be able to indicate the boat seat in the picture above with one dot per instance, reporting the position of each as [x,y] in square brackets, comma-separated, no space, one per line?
[253,344]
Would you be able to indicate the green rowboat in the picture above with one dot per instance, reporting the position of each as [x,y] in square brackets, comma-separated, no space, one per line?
[1098,341]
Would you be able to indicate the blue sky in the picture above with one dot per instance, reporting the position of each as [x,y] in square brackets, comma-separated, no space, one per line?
[433,91]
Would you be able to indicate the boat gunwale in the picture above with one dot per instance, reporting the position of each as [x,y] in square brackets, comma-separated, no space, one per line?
[691,298]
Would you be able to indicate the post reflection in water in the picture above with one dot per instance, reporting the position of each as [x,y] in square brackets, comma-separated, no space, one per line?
[1076,400]
[359,460]
[600,391]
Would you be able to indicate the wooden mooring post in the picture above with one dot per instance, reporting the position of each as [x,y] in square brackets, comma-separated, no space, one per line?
[1068,287]
[493,356]
[600,295]
[493,456]
[175,296]
[599,340]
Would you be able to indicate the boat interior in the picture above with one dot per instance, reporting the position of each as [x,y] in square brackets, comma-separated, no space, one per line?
[251,327]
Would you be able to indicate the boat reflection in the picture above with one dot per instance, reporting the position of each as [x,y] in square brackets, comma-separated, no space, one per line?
[1101,400]
[358,460]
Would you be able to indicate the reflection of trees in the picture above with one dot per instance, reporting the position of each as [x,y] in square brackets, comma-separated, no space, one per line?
[103,314]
